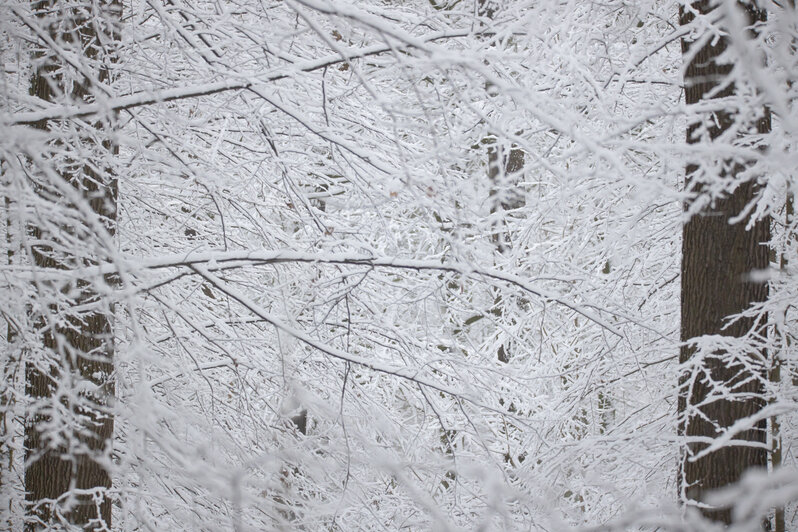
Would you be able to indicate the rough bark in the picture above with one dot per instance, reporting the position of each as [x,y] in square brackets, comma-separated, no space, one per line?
[717,258]
[78,349]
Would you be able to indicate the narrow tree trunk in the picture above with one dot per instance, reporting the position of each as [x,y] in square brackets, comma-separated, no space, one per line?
[775,371]
[717,258]
[78,346]
[8,386]
[501,169]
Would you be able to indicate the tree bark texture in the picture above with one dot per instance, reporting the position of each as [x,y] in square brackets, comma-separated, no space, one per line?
[65,480]
[720,387]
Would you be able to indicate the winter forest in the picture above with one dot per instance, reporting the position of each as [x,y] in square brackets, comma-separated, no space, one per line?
[398,265]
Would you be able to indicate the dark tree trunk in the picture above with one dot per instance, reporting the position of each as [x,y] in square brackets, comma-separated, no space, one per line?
[78,346]
[503,170]
[717,258]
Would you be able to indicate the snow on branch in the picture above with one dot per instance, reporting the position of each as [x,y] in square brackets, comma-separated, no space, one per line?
[150,97]
[221,260]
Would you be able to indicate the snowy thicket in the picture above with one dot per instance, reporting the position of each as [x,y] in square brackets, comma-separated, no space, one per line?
[383,264]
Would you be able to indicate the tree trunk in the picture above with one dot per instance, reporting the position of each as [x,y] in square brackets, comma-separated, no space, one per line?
[717,258]
[503,170]
[77,336]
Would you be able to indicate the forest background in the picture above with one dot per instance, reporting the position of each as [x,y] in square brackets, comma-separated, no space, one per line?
[425,265]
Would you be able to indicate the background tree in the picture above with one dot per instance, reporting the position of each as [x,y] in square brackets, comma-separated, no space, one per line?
[69,371]
[724,245]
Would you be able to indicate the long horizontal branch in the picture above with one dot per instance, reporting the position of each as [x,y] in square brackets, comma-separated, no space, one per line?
[149,97]
[219,260]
